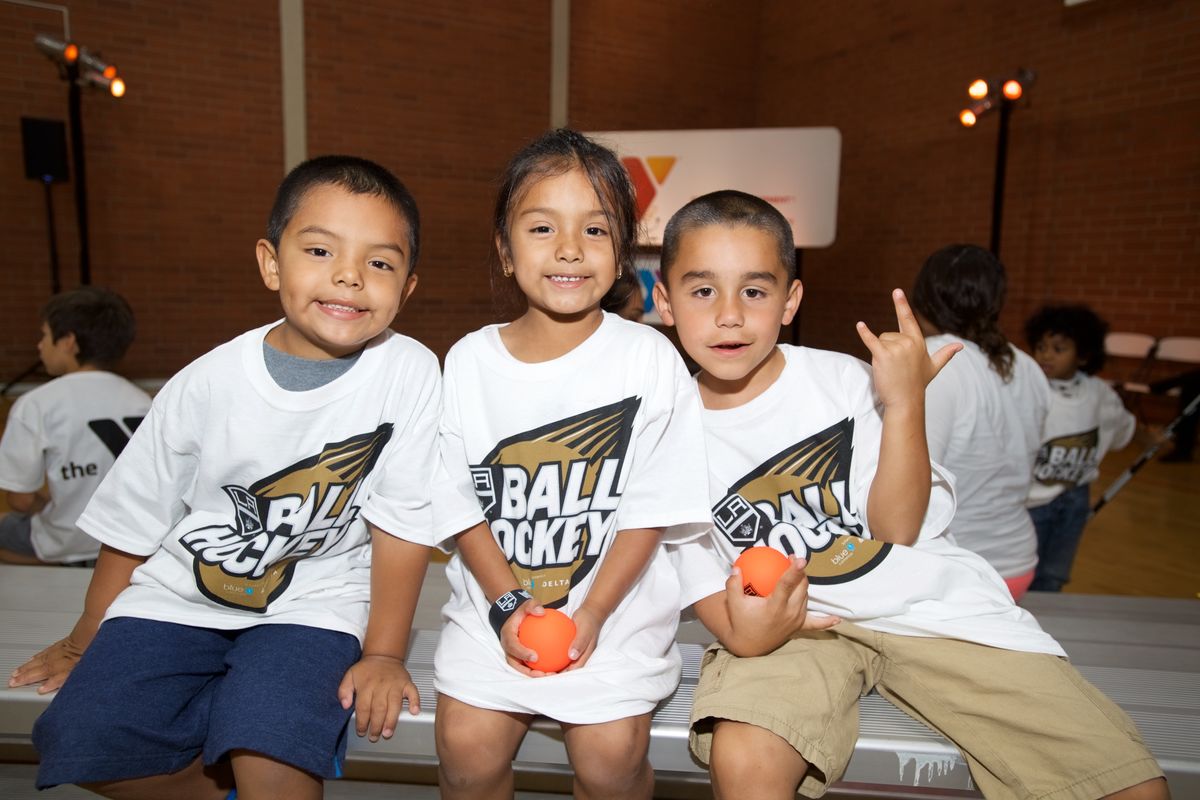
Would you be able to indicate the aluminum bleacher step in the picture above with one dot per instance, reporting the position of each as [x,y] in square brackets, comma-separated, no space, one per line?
[1142,652]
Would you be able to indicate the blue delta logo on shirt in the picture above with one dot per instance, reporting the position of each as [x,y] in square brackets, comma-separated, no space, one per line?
[550,496]
[798,502]
[300,512]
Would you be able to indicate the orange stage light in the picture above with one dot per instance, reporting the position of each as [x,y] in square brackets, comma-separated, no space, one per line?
[1013,89]
[978,89]
[117,87]
[966,117]
[110,72]
[71,53]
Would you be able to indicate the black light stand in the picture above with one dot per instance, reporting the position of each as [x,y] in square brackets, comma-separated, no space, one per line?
[1006,107]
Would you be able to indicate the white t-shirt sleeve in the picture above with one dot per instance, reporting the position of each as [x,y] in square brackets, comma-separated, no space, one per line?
[22,451]
[701,569]
[668,487]
[455,506]
[142,497]
[1116,422]
[400,504]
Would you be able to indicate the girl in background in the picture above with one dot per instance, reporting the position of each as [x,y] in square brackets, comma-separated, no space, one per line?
[984,412]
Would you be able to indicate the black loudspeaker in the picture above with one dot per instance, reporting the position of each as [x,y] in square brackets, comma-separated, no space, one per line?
[44,142]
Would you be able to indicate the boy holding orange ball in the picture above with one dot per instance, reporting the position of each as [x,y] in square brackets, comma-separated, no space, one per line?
[818,456]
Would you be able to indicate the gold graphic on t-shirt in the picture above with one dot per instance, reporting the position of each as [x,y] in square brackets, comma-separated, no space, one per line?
[798,501]
[550,496]
[1067,460]
[299,512]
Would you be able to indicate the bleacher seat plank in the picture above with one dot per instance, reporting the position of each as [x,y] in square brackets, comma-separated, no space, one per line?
[1143,652]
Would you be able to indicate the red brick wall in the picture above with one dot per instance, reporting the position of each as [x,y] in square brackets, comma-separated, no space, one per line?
[1103,167]
[179,171]
[1103,197]
[663,66]
[442,94]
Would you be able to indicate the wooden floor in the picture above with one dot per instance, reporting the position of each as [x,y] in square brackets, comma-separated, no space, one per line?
[1145,542]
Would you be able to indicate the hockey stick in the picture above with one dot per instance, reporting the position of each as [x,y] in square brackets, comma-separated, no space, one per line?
[1122,479]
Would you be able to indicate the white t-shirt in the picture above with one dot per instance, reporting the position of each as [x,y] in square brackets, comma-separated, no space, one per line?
[1086,420]
[792,469]
[251,501]
[561,456]
[67,433]
[987,432]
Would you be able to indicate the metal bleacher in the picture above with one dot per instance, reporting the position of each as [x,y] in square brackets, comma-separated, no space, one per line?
[1142,652]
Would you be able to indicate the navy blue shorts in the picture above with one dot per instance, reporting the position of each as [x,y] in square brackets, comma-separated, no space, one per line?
[148,697]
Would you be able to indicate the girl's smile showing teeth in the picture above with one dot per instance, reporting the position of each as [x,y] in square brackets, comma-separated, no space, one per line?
[568,280]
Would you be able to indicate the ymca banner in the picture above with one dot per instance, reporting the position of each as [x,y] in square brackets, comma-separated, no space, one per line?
[795,169]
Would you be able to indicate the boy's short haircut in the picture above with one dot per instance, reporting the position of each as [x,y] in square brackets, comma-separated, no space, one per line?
[1078,323]
[355,175]
[101,320]
[730,207]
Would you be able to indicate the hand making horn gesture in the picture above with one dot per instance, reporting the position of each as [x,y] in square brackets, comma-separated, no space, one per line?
[900,364]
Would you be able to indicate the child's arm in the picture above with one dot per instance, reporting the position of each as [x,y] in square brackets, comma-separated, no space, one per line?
[28,502]
[487,563]
[901,368]
[52,665]
[624,564]
[379,683]
[753,626]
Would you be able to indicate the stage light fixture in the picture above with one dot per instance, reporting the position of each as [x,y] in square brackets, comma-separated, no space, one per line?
[1002,94]
[92,69]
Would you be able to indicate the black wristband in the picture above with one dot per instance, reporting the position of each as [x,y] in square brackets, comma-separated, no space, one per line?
[505,606]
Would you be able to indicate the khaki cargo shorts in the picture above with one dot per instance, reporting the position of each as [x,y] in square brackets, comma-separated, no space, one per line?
[1029,725]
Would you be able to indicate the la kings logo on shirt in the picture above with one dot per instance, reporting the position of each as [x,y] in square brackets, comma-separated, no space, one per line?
[1065,460]
[798,501]
[299,512]
[550,496]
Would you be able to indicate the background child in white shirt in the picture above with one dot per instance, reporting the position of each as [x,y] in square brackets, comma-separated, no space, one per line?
[1086,420]
[66,434]
[984,412]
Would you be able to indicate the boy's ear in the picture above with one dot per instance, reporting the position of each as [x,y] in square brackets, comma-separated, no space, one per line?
[410,286]
[268,264]
[662,302]
[69,343]
[792,304]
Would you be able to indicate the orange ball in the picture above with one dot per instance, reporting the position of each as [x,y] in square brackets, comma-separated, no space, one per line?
[761,569]
[549,636]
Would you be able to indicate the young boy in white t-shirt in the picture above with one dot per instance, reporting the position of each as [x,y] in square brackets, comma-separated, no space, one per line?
[61,438]
[813,454]
[279,486]
[1086,419]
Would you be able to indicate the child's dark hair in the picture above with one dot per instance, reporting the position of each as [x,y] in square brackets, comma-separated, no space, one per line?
[960,290]
[730,207]
[556,153]
[100,319]
[355,175]
[1079,324]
